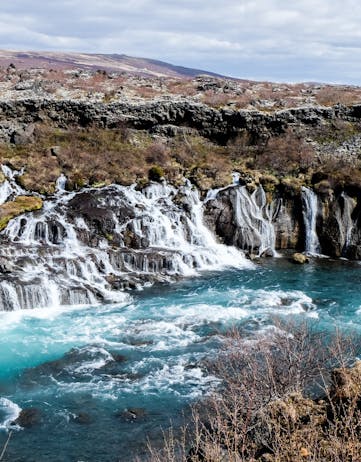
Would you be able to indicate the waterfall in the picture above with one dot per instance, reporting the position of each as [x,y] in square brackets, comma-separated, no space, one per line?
[253,218]
[344,219]
[309,212]
[9,189]
[348,207]
[61,183]
[86,247]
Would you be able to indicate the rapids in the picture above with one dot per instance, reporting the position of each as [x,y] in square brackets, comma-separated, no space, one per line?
[83,367]
[106,367]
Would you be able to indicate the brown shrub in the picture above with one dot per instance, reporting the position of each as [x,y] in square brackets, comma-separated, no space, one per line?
[259,412]
[285,154]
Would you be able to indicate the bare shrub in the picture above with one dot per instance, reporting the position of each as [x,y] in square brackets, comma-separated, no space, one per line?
[285,154]
[266,409]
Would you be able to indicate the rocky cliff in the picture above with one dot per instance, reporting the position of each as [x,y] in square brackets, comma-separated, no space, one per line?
[167,117]
[101,196]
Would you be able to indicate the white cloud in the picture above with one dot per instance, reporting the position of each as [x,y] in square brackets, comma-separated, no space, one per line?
[264,39]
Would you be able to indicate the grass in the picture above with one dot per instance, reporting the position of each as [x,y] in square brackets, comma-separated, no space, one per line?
[18,206]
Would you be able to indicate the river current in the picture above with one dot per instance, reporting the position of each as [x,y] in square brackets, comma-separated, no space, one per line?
[105,378]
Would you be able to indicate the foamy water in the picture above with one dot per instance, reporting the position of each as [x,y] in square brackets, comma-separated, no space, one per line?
[148,352]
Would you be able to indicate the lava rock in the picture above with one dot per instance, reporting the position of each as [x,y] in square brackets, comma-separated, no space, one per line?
[83,418]
[28,417]
[132,414]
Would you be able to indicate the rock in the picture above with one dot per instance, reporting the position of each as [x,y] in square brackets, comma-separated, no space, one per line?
[28,417]
[55,151]
[132,414]
[22,136]
[5,266]
[20,205]
[267,253]
[119,358]
[83,418]
[300,258]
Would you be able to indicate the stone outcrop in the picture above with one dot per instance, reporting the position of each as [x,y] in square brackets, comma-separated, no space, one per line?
[161,115]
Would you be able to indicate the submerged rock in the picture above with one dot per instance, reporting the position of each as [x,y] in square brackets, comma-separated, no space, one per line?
[6,266]
[28,417]
[83,418]
[132,414]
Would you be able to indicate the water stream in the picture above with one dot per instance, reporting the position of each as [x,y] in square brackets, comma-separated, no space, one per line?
[83,367]
[82,351]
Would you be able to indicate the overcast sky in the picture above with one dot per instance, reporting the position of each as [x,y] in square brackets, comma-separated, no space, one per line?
[280,40]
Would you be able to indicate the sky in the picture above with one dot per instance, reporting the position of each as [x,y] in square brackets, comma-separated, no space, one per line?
[277,40]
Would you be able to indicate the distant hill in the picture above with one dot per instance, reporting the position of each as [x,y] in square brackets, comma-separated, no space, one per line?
[108,62]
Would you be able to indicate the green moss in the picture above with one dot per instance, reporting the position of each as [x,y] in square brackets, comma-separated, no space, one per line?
[20,205]
[156,173]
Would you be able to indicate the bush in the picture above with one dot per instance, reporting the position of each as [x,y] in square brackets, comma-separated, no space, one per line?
[278,402]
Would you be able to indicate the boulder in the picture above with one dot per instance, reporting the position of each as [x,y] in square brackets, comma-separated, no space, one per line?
[132,414]
[300,258]
[83,418]
[28,417]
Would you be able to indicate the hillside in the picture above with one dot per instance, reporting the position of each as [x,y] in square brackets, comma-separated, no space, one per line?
[108,62]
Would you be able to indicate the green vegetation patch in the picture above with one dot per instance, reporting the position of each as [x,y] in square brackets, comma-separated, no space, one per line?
[20,205]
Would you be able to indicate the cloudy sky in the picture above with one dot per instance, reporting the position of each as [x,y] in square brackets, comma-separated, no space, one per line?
[280,40]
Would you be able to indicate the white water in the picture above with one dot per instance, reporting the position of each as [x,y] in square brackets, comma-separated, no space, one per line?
[9,412]
[61,183]
[9,189]
[310,211]
[253,216]
[61,259]
[344,219]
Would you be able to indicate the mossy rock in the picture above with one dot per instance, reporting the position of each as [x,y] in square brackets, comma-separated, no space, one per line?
[292,186]
[156,173]
[323,187]
[20,205]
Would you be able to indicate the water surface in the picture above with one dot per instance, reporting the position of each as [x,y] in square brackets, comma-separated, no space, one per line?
[82,367]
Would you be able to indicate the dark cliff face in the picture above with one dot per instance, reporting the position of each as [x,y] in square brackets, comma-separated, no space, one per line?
[337,222]
[166,117]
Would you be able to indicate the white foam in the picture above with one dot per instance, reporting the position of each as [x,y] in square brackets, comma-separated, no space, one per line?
[205,313]
[11,412]
[101,358]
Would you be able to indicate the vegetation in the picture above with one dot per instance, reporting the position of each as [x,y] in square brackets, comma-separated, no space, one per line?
[20,205]
[289,397]
[156,173]
[97,157]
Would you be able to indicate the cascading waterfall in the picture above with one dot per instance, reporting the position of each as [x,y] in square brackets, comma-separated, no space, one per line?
[344,219]
[85,247]
[9,189]
[253,217]
[310,211]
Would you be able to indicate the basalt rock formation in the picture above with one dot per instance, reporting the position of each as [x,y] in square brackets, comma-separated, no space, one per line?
[163,116]
[81,238]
